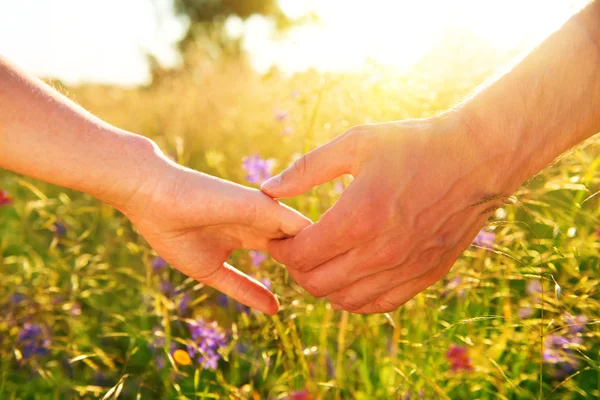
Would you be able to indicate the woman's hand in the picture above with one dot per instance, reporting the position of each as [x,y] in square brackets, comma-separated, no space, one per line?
[195,221]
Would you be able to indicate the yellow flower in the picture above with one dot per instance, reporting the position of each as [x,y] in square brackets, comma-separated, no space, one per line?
[182,357]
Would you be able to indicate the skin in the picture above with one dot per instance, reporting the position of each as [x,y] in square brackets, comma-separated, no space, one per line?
[423,189]
[193,220]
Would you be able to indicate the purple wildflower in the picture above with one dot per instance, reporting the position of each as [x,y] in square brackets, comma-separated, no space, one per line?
[184,302]
[5,199]
[458,356]
[257,169]
[287,131]
[525,312]
[16,298]
[267,282]
[454,286]
[242,308]
[158,263]
[257,257]
[557,352]
[59,229]
[484,239]
[534,286]
[575,324]
[280,115]
[166,288]
[32,341]
[209,338]
[223,300]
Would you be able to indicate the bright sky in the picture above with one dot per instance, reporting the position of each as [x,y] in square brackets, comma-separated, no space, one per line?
[106,40]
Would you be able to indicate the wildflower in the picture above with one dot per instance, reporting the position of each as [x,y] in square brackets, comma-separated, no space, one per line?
[280,115]
[267,282]
[299,395]
[525,312]
[16,298]
[242,308]
[182,357]
[287,131]
[258,169]
[459,358]
[257,257]
[5,199]
[76,309]
[158,263]
[294,94]
[157,345]
[166,288]
[534,286]
[59,229]
[575,324]
[338,187]
[31,341]
[484,239]
[184,303]
[452,286]
[208,338]
[557,352]
[223,300]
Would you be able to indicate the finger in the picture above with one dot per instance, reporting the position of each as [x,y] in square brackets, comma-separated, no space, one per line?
[396,297]
[242,288]
[332,235]
[201,258]
[236,204]
[321,165]
[344,270]
[366,290]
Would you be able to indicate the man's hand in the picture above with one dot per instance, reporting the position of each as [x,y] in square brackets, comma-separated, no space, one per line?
[422,190]
[195,221]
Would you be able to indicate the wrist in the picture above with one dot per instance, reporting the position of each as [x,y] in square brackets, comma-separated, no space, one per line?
[494,152]
[136,171]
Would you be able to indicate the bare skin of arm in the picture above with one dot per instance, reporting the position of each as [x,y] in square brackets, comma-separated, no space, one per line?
[424,188]
[193,220]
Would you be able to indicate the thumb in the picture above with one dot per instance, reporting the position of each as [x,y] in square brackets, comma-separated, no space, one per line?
[321,165]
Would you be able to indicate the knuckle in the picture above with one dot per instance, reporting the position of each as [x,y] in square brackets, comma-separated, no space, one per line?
[314,288]
[350,302]
[384,306]
[296,261]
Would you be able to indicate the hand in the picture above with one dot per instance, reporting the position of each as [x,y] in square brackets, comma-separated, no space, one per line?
[194,221]
[422,190]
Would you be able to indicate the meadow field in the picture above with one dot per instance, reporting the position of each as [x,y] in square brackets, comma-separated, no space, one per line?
[90,311]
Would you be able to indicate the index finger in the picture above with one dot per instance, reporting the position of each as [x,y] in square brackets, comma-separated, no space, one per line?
[321,241]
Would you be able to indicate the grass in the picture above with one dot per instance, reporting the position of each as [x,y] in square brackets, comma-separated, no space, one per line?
[110,321]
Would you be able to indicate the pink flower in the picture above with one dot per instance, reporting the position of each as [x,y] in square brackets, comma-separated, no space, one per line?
[5,199]
[484,239]
[257,257]
[459,358]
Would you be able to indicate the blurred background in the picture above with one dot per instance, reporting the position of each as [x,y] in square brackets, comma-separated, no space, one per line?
[239,89]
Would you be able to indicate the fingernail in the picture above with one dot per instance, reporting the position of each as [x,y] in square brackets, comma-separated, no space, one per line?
[271,182]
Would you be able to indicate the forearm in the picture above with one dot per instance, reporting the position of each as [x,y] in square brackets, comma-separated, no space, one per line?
[545,105]
[45,135]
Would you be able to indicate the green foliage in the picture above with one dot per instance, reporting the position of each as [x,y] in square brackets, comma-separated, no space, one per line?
[209,118]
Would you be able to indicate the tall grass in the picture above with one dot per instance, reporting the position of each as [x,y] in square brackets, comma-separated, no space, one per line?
[109,324]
